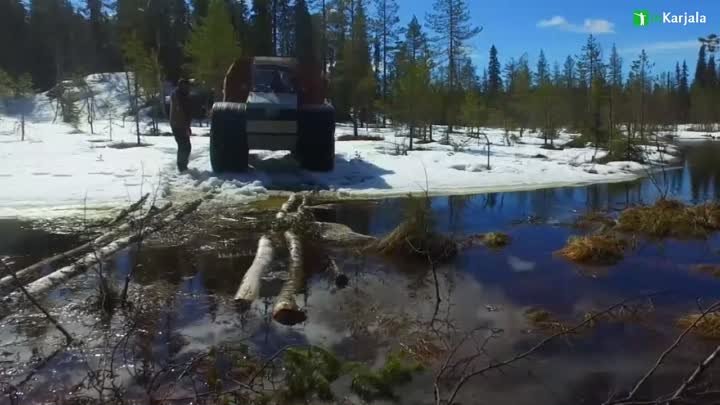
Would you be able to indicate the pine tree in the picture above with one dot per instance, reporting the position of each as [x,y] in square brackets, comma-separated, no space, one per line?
[262,29]
[615,80]
[213,47]
[200,9]
[358,67]
[411,86]
[494,86]
[450,20]
[305,48]
[639,84]
[241,21]
[14,57]
[283,27]
[385,28]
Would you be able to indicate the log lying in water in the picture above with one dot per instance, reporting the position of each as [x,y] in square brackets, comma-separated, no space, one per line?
[32,272]
[289,206]
[127,211]
[339,234]
[94,258]
[286,310]
[250,286]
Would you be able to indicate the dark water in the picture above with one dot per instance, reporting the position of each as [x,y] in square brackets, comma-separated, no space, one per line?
[189,285]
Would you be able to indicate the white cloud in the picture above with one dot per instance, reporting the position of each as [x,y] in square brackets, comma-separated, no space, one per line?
[589,26]
[664,46]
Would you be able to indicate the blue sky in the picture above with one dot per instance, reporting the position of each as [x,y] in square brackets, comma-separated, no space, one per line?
[560,27]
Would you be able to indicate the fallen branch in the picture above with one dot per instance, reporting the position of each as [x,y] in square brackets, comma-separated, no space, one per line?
[496,365]
[32,272]
[341,280]
[68,337]
[699,370]
[631,395]
[286,310]
[250,286]
[127,211]
[94,258]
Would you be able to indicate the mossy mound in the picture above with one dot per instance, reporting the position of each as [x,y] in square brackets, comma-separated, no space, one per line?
[670,218]
[603,249]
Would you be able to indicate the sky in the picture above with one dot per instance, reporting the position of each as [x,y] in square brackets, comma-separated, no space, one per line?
[561,27]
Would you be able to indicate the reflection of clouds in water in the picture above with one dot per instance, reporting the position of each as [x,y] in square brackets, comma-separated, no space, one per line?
[519,265]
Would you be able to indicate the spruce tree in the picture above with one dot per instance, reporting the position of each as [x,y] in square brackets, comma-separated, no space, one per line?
[494,86]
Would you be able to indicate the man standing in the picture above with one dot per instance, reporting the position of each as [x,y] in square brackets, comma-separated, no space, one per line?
[180,119]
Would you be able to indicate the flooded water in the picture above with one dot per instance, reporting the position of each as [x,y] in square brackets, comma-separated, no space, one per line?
[187,285]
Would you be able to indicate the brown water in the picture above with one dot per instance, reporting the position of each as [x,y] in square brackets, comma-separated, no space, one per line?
[186,283]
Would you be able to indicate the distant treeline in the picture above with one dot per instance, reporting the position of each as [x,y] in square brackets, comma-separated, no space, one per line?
[377,69]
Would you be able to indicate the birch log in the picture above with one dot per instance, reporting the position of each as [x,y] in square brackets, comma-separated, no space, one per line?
[249,289]
[289,206]
[46,283]
[286,310]
[32,272]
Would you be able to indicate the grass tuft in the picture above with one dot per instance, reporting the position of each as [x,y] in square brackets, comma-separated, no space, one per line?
[708,327]
[594,219]
[603,249]
[671,218]
[416,235]
[709,269]
[496,239]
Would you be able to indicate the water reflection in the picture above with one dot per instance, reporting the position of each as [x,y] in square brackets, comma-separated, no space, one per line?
[390,302]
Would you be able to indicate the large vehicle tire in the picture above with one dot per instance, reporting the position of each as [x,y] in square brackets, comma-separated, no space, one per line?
[228,139]
[316,141]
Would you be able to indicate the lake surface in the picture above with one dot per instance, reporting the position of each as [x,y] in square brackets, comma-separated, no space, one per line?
[188,284]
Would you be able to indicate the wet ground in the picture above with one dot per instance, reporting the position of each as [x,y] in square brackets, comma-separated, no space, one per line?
[186,281]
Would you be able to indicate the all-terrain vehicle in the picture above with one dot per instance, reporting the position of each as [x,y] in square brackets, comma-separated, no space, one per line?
[275,104]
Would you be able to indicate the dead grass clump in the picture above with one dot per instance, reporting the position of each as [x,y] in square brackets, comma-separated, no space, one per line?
[594,219]
[496,239]
[541,319]
[670,218]
[416,235]
[594,249]
[710,269]
[708,327]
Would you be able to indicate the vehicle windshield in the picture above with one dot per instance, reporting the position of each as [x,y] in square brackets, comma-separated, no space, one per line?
[273,79]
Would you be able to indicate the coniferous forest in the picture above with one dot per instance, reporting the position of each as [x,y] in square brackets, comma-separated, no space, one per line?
[379,70]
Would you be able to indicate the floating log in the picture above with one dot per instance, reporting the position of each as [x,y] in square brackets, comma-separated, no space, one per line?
[94,258]
[339,234]
[286,310]
[249,289]
[32,272]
